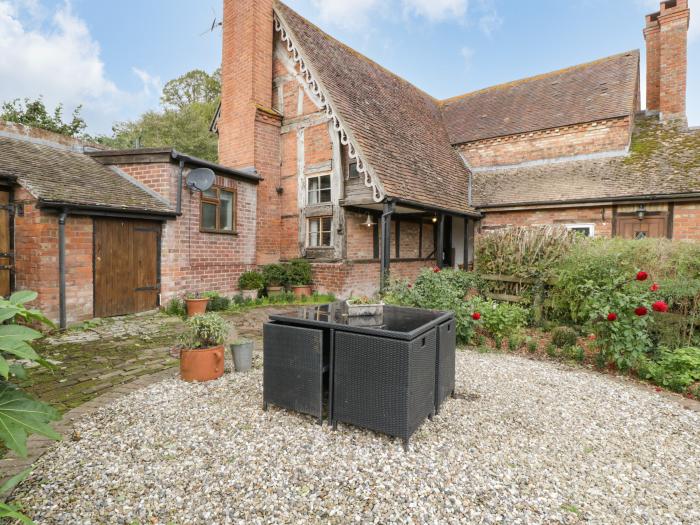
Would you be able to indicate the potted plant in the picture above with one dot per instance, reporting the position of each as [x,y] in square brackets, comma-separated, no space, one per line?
[364,306]
[250,284]
[300,277]
[196,304]
[242,351]
[275,278]
[202,358]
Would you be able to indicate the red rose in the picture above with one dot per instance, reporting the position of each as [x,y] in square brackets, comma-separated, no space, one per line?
[476,316]
[612,316]
[654,287]
[591,337]
[642,276]
[410,286]
[436,269]
[641,311]
[660,306]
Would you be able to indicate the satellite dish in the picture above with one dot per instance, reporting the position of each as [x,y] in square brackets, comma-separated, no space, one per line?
[200,179]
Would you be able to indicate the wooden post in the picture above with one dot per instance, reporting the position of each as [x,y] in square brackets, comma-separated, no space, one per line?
[440,244]
[385,251]
[466,244]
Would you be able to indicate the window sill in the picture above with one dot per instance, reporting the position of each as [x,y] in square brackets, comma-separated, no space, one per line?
[218,232]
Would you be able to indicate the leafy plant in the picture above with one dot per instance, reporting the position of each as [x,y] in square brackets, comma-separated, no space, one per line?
[299,273]
[362,299]
[176,307]
[205,331]
[676,370]
[8,511]
[34,113]
[275,275]
[564,336]
[20,414]
[551,350]
[251,280]
[502,320]
[532,346]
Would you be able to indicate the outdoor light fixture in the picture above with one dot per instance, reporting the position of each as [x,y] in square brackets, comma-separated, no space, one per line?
[369,223]
[641,212]
[434,219]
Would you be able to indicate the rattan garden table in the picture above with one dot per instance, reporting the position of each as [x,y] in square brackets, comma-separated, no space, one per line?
[386,372]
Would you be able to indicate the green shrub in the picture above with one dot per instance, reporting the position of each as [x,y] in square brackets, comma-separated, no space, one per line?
[551,350]
[563,336]
[574,352]
[515,342]
[218,303]
[501,320]
[299,273]
[275,274]
[251,280]
[176,307]
[205,331]
[676,370]
[531,346]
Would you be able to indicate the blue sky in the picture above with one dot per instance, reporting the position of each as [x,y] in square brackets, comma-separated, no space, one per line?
[113,57]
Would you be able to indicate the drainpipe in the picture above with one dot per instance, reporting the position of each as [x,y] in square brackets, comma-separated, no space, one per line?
[62,267]
[178,206]
[470,188]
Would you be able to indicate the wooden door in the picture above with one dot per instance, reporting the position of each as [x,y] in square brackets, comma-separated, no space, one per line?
[633,228]
[127,266]
[5,245]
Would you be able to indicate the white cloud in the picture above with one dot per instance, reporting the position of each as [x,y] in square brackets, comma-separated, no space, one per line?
[489,19]
[343,12]
[60,60]
[437,10]
[152,85]
[467,54]
[694,30]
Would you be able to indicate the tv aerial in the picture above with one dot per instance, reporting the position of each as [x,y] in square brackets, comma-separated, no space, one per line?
[200,179]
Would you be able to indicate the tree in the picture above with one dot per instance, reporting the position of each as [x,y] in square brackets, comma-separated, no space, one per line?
[189,103]
[34,113]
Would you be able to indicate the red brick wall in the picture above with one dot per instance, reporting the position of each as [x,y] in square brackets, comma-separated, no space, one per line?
[36,259]
[580,139]
[686,222]
[651,35]
[600,216]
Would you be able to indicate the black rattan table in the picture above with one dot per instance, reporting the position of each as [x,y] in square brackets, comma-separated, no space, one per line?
[385,372]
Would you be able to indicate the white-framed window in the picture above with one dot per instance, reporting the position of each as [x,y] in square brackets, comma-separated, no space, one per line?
[586,229]
[318,189]
[319,232]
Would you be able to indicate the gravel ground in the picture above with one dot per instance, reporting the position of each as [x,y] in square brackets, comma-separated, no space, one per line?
[525,442]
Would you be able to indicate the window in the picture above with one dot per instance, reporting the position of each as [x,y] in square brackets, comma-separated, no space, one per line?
[587,230]
[218,211]
[318,189]
[352,170]
[320,232]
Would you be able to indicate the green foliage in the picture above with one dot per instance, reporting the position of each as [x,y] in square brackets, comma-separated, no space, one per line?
[501,320]
[299,272]
[362,299]
[194,87]
[563,336]
[11,512]
[205,331]
[574,352]
[251,280]
[515,342]
[20,414]
[676,370]
[528,252]
[275,275]
[551,350]
[34,113]
[176,307]
[217,302]
[531,346]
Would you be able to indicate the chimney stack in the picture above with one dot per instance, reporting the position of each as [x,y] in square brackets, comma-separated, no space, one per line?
[249,131]
[666,35]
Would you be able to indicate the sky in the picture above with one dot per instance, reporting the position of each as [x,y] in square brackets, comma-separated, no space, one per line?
[113,57]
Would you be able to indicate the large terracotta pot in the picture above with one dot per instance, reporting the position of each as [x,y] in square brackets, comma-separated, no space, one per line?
[302,290]
[196,306]
[202,364]
[274,291]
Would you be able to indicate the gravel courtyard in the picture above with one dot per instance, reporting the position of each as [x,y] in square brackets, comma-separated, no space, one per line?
[525,442]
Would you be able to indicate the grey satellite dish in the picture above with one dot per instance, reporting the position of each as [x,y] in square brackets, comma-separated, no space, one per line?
[200,179]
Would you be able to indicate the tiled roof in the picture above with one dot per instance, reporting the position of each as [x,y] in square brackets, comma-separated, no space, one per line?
[397,128]
[588,92]
[59,175]
[664,160]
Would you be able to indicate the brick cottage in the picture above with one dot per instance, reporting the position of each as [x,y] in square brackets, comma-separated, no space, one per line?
[100,233]
[365,174]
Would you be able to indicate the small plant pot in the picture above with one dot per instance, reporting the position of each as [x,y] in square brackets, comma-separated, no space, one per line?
[196,306]
[242,355]
[274,291]
[251,295]
[302,290]
[202,364]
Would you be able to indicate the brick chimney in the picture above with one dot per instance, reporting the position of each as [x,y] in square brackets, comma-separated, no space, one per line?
[666,35]
[249,131]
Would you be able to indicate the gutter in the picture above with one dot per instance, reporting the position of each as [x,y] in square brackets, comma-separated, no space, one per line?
[62,268]
[250,174]
[92,209]
[178,205]
[598,200]
[445,211]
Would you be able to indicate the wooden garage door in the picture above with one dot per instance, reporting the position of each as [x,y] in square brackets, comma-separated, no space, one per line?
[127,266]
[5,253]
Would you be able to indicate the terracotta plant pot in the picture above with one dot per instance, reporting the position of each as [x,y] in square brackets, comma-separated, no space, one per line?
[274,291]
[302,290]
[250,294]
[202,364]
[196,306]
